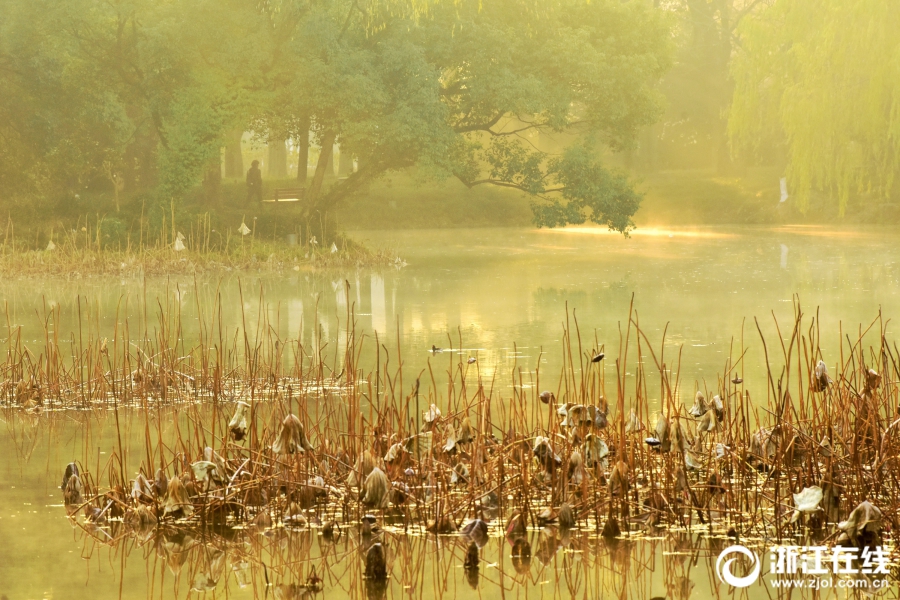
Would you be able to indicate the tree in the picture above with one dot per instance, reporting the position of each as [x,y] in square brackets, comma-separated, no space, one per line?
[277,159]
[301,138]
[454,91]
[823,80]
[56,133]
[234,159]
[450,87]
[698,88]
[146,87]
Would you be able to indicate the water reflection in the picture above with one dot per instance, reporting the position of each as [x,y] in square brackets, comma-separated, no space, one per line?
[310,556]
[482,290]
[306,563]
[294,564]
[488,289]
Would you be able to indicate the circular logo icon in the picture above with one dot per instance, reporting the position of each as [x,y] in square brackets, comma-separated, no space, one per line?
[723,566]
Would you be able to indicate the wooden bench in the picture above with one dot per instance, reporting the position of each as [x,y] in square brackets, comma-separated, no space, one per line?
[289,194]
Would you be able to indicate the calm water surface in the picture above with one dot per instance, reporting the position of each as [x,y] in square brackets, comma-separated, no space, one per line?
[500,295]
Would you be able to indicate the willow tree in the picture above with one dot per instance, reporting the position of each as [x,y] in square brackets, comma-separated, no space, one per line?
[823,79]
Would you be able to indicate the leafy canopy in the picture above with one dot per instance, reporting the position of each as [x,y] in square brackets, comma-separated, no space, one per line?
[460,90]
[454,88]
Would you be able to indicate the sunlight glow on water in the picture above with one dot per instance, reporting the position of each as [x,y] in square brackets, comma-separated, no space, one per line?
[646,231]
[483,290]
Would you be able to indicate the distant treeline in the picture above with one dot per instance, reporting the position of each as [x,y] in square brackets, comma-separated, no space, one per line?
[141,99]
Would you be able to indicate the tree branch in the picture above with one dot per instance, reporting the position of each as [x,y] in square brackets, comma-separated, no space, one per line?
[456,88]
[506,184]
[353,7]
[372,168]
[744,12]
[480,126]
[513,132]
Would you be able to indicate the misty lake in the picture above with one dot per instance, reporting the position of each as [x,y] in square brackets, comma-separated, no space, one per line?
[500,295]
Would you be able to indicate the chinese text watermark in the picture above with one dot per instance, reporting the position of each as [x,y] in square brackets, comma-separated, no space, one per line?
[807,566]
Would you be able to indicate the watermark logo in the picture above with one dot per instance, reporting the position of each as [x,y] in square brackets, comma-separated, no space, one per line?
[724,565]
[814,567]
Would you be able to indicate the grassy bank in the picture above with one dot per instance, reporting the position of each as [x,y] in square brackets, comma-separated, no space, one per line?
[671,198]
[701,198]
[145,230]
[402,202]
[705,198]
[77,262]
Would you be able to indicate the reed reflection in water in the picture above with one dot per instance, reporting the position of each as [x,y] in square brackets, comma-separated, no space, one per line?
[287,564]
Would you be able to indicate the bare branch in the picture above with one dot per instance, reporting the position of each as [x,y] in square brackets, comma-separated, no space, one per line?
[353,7]
[506,184]
[744,12]
[513,132]
[481,126]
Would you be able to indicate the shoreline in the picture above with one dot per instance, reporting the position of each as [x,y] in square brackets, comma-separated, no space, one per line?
[358,250]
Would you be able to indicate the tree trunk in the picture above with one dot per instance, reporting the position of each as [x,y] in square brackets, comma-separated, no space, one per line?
[303,150]
[725,165]
[345,163]
[277,159]
[132,150]
[139,168]
[329,155]
[234,159]
[212,182]
[322,166]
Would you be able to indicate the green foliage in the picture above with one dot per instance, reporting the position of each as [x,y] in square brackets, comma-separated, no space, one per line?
[823,79]
[112,232]
[193,138]
[574,70]
[590,192]
[147,91]
[511,162]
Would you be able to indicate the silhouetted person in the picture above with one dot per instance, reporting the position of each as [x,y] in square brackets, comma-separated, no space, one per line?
[254,182]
